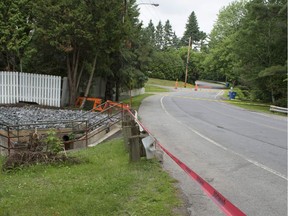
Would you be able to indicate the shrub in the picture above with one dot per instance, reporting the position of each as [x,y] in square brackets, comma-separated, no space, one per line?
[54,144]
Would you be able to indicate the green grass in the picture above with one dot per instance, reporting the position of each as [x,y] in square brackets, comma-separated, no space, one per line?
[106,184]
[152,81]
[152,88]
[137,100]
[253,106]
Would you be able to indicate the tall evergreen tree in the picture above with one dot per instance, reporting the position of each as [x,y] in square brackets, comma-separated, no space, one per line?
[150,31]
[159,36]
[175,41]
[192,30]
[162,37]
[16,26]
[168,35]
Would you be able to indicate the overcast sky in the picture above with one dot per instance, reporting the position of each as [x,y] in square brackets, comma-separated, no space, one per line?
[178,11]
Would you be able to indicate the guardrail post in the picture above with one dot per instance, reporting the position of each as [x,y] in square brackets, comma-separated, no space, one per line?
[122,112]
[9,141]
[86,133]
[133,142]
[126,128]
[131,138]
[134,149]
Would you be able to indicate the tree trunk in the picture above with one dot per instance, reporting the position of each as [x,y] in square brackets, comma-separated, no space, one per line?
[79,77]
[72,72]
[109,89]
[89,82]
[272,97]
[20,63]
[117,93]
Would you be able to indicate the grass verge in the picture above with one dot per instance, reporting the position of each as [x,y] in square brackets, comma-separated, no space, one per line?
[170,83]
[152,88]
[105,184]
[136,101]
[253,106]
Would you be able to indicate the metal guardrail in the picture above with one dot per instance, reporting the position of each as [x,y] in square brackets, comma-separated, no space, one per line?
[278,109]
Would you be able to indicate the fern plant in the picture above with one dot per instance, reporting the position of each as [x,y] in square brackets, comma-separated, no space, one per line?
[54,144]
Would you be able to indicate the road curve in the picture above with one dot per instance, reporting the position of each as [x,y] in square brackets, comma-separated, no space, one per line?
[242,154]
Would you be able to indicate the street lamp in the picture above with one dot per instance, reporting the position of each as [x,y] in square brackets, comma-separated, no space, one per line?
[125,7]
[153,4]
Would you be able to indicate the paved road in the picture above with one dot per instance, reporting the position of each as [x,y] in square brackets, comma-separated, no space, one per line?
[203,84]
[242,154]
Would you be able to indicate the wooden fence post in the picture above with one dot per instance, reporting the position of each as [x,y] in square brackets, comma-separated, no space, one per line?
[126,128]
[134,149]
[132,139]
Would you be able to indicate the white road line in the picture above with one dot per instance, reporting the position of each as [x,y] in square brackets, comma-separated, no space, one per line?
[219,93]
[224,148]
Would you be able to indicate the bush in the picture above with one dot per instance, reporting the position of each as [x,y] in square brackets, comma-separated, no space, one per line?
[242,94]
[53,142]
[158,75]
[27,158]
[281,102]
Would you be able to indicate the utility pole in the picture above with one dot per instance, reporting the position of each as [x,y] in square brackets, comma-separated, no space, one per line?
[124,11]
[188,56]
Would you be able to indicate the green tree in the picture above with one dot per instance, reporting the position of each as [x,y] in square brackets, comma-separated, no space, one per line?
[175,41]
[81,32]
[228,22]
[144,50]
[62,26]
[162,37]
[195,62]
[274,77]
[168,35]
[159,36]
[261,45]
[130,61]
[16,26]
[150,31]
[166,65]
[221,62]
[192,30]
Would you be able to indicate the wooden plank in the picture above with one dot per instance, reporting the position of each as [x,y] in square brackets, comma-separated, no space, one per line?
[126,135]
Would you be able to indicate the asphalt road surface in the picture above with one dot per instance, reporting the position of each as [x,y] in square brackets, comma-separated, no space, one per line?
[242,154]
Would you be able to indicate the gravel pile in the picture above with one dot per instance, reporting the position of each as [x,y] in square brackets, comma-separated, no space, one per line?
[27,115]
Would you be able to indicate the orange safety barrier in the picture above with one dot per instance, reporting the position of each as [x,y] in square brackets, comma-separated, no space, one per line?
[112,103]
[96,104]
[176,84]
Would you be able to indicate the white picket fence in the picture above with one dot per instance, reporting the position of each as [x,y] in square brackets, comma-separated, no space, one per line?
[39,88]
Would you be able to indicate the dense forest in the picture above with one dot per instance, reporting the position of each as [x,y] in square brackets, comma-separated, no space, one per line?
[85,39]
